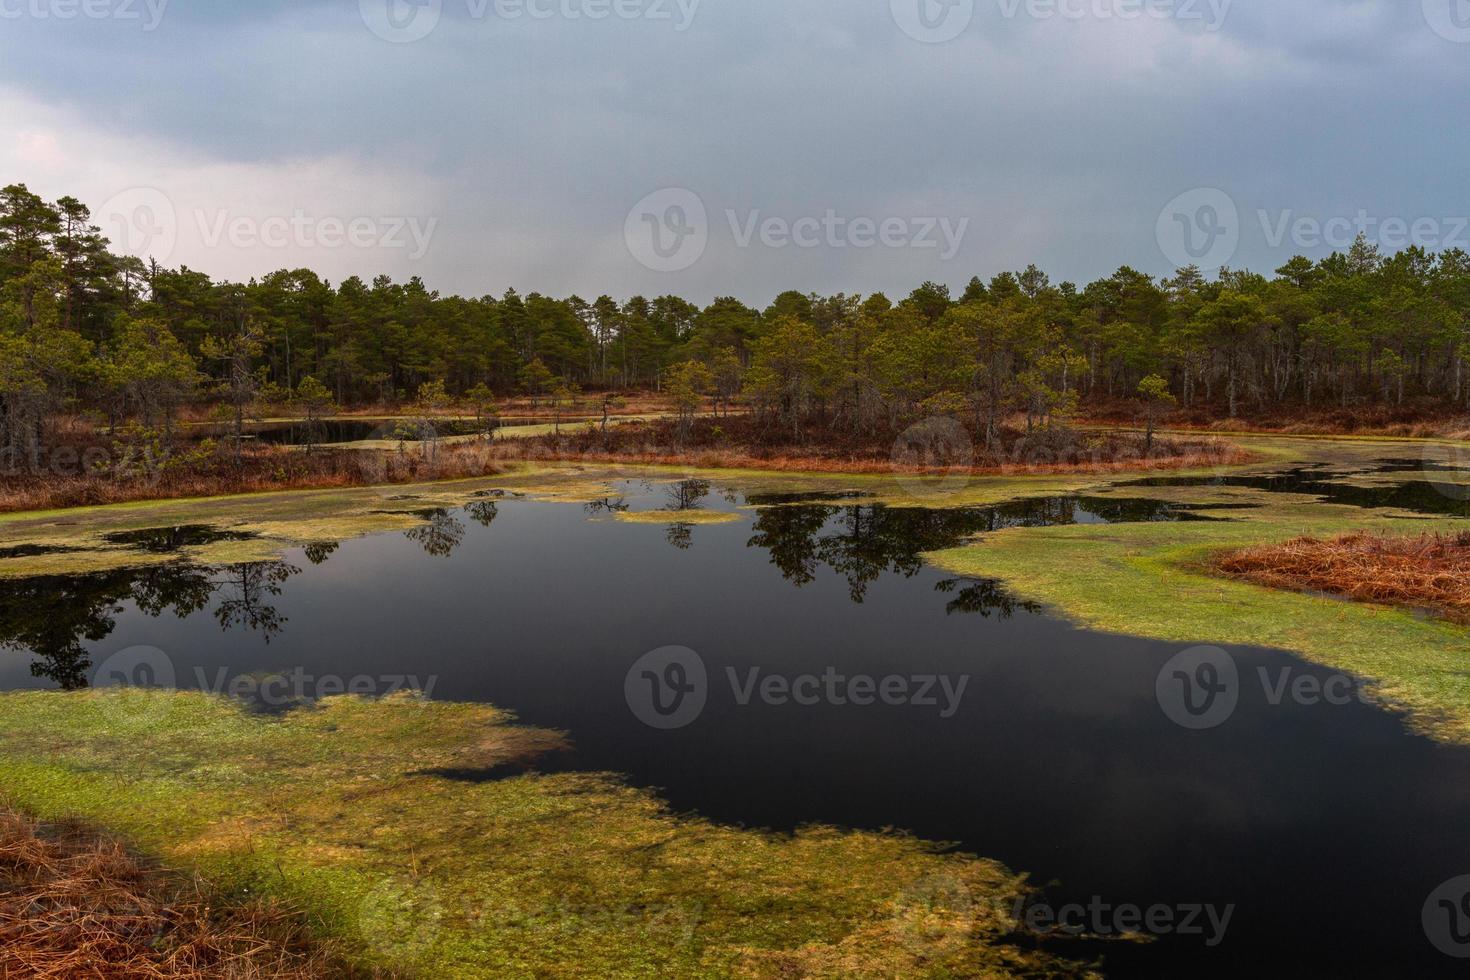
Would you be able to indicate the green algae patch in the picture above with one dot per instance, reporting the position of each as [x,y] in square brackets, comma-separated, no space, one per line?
[343,809]
[679,517]
[263,526]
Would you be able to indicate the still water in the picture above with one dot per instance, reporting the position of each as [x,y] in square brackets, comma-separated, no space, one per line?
[1325,826]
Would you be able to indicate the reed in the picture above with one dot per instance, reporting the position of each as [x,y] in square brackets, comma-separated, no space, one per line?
[76,904]
[1429,571]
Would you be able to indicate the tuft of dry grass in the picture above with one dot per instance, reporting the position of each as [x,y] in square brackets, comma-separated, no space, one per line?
[74,905]
[1430,571]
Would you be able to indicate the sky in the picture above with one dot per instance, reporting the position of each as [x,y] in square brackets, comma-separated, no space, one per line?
[740,147]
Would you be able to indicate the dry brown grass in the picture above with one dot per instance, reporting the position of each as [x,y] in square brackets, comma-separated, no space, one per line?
[789,462]
[1421,419]
[739,442]
[75,905]
[1431,571]
[261,469]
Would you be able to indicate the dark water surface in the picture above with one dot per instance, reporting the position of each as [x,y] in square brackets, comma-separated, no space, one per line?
[1325,826]
[1419,496]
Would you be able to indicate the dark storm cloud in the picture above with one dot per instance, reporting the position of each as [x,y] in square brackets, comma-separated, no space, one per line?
[1057,128]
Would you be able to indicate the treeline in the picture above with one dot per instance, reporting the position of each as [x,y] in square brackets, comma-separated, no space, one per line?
[82,328]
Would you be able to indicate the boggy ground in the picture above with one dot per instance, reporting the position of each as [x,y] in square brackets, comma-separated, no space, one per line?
[1162,581]
[343,811]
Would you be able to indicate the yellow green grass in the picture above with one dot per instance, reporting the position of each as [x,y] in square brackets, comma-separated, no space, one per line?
[280,520]
[341,810]
[1157,581]
[679,517]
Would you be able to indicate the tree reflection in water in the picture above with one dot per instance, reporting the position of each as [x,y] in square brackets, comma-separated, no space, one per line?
[983,596]
[483,512]
[684,496]
[864,543]
[439,535]
[53,617]
[244,592]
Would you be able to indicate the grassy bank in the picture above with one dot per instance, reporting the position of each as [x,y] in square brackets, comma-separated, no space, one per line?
[1160,581]
[345,811]
[359,813]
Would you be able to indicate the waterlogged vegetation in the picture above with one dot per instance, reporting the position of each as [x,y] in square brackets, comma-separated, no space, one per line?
[1151,581]
[447,838]
[337,809]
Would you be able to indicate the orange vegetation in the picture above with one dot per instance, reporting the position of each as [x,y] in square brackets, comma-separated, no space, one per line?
[1431,571]
[73,904]
[260,469]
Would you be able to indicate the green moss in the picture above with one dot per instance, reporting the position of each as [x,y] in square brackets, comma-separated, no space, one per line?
[337,809]
[1157,581]
[278,520]
[679,517]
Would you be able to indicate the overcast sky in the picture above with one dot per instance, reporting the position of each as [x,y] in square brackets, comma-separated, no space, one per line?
[626,146]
